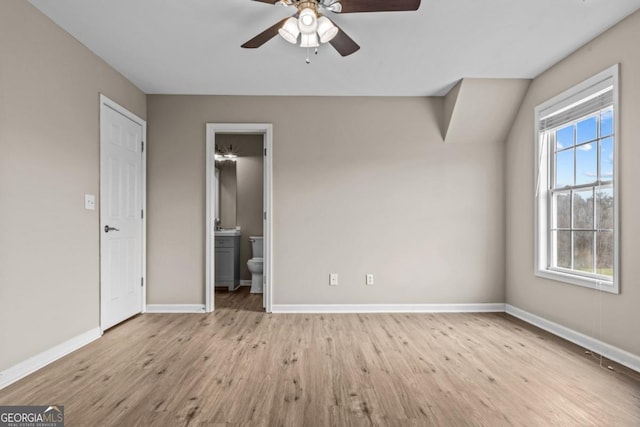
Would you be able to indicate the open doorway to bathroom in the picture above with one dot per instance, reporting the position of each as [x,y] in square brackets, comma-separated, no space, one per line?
[238,210]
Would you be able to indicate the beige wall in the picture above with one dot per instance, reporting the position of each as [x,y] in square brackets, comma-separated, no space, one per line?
[572,306]
[361,185]
[49,140]
[250,171]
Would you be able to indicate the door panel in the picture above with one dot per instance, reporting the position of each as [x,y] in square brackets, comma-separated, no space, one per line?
[120,209]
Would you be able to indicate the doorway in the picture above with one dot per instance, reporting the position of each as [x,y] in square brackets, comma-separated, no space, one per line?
[213,129]
[122,204]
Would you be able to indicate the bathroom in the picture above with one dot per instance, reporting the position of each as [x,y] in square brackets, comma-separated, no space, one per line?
[238,217]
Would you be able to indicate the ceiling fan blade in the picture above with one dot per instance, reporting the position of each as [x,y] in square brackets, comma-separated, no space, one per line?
[343,43]
[264,36]
[268,1]
[354,6]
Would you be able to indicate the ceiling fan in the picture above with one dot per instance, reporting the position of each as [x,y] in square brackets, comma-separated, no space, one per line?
[312,28]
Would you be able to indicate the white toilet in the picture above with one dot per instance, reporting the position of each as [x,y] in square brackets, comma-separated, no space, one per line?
[255,264]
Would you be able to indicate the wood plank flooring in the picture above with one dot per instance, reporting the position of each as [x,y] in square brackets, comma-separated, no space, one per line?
[241,367]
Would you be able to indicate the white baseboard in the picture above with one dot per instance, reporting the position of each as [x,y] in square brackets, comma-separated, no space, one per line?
[245,282]
[388,308]
[32,364]
[175,308]
[616,354]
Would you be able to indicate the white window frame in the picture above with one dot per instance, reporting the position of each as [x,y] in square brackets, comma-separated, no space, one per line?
[543,177]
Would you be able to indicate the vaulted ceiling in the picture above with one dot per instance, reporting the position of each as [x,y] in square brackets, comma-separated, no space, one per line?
[193,46]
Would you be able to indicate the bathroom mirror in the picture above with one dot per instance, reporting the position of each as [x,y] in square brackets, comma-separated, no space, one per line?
[228,193]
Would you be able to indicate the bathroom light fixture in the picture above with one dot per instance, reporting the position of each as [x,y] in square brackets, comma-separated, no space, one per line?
[225,154]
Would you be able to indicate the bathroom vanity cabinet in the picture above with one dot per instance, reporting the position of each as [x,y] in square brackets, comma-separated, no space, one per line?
[227,261]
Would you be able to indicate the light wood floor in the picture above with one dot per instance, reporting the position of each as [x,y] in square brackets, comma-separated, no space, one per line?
[241,367]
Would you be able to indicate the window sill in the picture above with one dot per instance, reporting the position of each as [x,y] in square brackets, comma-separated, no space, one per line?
[587,282]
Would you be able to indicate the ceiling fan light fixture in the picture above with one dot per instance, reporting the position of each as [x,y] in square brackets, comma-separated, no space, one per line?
[289,30]
[335,7]
[309,40]
[326,30]
[308,21]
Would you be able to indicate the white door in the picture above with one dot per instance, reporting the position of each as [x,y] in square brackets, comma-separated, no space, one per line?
[120,217]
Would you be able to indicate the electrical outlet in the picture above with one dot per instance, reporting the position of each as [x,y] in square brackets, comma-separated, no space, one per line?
[369,279]
[333,279]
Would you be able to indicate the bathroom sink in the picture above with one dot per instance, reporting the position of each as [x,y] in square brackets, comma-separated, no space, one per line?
[227,232]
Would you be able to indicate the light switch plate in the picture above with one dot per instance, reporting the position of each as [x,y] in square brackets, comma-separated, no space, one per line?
[90,202]
[333,279]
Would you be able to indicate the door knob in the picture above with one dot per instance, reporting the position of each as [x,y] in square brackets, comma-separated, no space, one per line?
[108,229]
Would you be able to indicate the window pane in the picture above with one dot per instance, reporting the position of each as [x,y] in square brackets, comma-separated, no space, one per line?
[606,122]
[604,253]
[606,159]
[562,210]
[583,251]
[587,130]
[564,137]
[583,209]
[604,208]
[586,163]
[564,168]
[563,249]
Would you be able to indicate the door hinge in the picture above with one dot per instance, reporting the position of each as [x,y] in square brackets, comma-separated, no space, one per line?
[264,215]
[142,145]
[265,151]
[142,213]
[142,282]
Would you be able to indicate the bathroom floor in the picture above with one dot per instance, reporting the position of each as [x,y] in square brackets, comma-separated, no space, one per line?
[241,298]
[239,366]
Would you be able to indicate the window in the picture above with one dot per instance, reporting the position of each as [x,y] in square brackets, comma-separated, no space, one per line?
[576,185]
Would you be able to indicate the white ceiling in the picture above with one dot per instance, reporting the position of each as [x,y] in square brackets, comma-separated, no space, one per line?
[193,46]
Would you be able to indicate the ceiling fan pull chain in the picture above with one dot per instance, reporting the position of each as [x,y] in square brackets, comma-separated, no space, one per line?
[308,61]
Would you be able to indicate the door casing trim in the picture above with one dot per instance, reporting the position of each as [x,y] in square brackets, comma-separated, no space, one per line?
[265,129]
